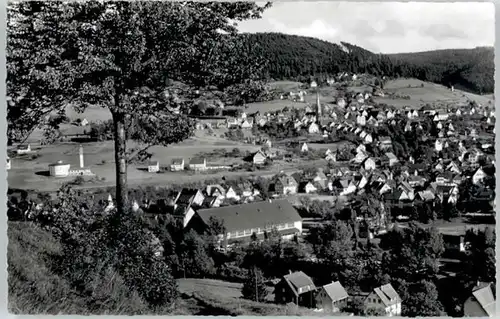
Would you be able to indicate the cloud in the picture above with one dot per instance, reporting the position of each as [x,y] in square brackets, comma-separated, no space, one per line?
[385,26]
[317,29]
[443,31]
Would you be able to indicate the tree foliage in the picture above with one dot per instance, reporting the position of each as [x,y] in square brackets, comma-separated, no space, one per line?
[413,253]
[98,244]
[421,299]
[254,287]
[122,56]
[297,57]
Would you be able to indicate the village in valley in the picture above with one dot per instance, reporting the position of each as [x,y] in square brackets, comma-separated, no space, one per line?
[334,147]
[190,168]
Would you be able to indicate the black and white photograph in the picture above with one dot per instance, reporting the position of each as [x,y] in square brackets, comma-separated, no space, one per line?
[251,158]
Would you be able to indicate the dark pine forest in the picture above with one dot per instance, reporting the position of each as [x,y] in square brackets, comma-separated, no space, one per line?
[294,57]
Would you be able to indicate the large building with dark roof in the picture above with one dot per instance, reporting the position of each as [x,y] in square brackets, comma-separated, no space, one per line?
[259,218]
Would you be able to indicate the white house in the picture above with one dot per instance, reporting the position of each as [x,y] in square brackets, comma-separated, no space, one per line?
[386,299]
[331,298]
[307,187]
[361,120]
[369,164]
[246,124]
[23,149]
[177,165]
[304,148]
[313,128]
[478,176]
[368,139]
[438,146]
[154,167]
[84,122]
[198,164]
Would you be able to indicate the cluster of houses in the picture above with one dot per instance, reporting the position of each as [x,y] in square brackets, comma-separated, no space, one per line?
[197,164]
[299,288]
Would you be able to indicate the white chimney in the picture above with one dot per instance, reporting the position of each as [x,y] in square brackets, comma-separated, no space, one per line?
[81,157]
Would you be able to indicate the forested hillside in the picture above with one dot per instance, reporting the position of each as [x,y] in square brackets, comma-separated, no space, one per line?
[469,69]
[297,57]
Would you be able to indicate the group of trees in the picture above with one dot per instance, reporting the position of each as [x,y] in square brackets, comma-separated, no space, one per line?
[122,56]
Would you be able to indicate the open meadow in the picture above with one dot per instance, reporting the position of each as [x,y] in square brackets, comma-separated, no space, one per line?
[429,93]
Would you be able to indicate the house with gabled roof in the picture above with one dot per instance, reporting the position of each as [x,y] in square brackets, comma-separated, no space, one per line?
[211,201]
[381,187]
[307,187]
[386,299]
[304,148]
[482,302]
[426,196]
[359,181]
[478,176]
[177,164]
[390,159]
[297,288]
[241,221]
[232,190]
[369,164]
[331,298]
[198,164]
[368,139]
[397,195]
[416,180]
[188,197]
[23,149]
[286,185]
[259,157]
[453,167]
[410,191]
[313,128]
[321,179]
[215,190]
[343,185]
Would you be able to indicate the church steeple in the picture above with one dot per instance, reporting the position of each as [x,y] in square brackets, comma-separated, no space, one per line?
[318,104]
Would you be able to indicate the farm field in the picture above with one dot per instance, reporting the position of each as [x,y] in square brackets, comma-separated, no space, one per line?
[275,105]
[430,93]
[99,157]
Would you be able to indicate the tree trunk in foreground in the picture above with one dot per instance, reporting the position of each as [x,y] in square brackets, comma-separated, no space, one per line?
[120,161]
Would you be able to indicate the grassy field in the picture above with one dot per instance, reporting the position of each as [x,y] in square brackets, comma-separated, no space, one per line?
[224,298]
[32,174]
[285,85]
[430,93]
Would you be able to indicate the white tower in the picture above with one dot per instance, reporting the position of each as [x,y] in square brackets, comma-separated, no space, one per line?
[81,157]
[318,104]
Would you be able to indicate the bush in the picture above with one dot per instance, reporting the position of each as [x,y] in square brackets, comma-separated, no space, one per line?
[96,245]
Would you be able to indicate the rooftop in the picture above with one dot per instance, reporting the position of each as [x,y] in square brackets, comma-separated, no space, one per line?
[253,215]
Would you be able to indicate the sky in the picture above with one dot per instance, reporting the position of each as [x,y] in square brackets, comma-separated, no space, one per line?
[383,27]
